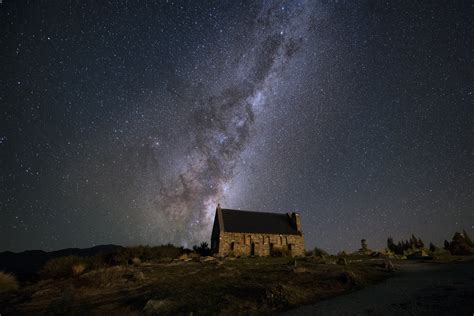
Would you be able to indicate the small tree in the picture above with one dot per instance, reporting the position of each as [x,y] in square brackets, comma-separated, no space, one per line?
[433,248]
[420,243]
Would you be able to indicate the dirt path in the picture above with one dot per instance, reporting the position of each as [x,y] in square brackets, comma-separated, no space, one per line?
[416,289]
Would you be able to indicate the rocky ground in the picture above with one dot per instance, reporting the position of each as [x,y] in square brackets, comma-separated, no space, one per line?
[205,286]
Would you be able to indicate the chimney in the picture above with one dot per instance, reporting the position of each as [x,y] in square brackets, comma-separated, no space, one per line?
[296,221]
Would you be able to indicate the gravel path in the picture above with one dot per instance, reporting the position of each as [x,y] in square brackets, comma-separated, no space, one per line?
[416,289]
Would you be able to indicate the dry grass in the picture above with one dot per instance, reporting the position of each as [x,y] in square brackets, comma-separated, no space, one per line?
[78,269]
[104,277]
[60,267]
[8,282]
[229,286]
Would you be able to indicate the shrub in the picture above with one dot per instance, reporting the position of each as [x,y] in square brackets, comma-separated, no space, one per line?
[61,267]
[8,282]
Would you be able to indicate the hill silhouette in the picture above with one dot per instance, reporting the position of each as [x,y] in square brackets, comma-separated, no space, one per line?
[26,264]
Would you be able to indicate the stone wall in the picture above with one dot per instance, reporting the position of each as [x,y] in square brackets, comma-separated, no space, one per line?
[242,244]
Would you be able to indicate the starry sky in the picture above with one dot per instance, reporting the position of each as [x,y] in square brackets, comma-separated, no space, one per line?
[126,122]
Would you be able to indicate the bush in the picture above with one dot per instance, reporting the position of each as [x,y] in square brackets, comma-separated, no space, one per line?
[318,252]
[8,282]
[61,267]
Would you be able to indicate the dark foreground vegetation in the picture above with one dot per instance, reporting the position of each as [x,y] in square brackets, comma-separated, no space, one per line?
[173,280]
[144,280]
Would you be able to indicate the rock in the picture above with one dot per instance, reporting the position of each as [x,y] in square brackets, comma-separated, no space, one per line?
[342,261]
[208,259]
[160,307]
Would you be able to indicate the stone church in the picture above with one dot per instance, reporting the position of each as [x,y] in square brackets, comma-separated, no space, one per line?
[244,233]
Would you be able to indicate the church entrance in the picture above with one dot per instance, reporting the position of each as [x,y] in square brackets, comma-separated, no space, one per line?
[252,249]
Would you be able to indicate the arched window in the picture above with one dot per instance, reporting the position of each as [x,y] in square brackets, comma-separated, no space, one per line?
[281,240]
[268,239]
[232,245]
[286,240]
[249,239]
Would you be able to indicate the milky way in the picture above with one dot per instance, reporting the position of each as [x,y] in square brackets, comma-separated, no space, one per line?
[126,123]
[184,206]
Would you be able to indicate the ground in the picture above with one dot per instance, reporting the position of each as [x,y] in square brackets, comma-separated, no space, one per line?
[243,286]
[232,286]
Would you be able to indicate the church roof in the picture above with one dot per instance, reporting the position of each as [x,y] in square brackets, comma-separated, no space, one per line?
[257,222]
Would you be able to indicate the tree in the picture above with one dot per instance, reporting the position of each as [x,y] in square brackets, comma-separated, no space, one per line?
[391,245]
[467,238]
[203,249]
[420,243]
[433,248]
[446,245]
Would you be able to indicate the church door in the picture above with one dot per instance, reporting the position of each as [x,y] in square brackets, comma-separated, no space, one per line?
[252,249]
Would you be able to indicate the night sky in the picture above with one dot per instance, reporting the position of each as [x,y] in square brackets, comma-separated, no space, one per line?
[127,122]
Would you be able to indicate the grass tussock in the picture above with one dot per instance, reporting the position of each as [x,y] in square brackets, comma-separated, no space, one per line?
[63,267]
[8,282]
[78,269]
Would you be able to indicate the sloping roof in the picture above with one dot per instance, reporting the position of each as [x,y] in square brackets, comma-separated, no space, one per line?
[257,222]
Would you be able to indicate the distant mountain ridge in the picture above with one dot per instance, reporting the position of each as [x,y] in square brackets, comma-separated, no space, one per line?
[27,263]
